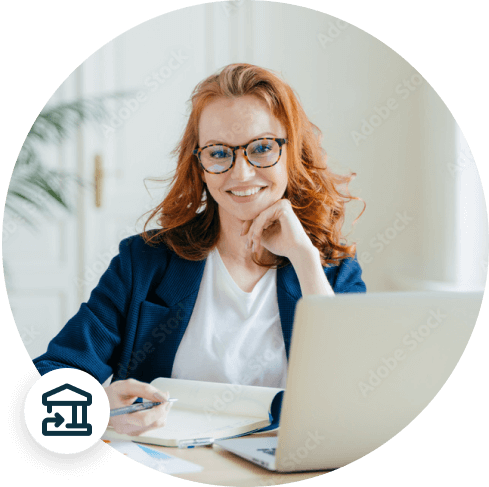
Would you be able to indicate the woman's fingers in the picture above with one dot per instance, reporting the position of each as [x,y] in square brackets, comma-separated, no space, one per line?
[245,227]
[136,423]
[147,417]
[125,392]
[131,388]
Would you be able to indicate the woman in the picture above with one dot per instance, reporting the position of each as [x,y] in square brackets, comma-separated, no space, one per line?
[251,223]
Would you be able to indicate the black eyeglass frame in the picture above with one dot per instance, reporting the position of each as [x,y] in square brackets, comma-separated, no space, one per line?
[280,142]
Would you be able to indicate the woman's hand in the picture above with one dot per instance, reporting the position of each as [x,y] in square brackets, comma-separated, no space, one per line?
[123,393]
[278,230]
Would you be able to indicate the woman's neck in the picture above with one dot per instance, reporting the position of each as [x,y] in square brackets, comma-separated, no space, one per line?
[233,246]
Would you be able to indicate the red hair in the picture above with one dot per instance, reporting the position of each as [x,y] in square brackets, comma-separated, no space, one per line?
[188,216]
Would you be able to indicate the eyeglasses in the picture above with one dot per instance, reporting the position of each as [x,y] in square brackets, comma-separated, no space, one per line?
[219,158]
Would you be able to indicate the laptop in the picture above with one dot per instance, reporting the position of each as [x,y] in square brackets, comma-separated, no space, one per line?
[361,368]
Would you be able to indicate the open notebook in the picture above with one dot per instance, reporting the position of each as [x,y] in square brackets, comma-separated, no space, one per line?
[211,409]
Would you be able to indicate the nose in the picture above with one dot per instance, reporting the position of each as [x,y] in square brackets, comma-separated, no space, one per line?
[242,169]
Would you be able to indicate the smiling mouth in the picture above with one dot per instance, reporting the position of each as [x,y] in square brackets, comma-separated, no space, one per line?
[252,194]
[247,193]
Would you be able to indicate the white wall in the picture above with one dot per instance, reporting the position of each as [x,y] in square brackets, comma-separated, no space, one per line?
[412,164]
[415,163]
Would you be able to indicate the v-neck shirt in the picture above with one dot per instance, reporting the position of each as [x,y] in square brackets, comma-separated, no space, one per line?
[233,336]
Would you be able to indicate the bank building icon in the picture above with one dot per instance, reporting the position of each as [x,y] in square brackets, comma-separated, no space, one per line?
[73,402]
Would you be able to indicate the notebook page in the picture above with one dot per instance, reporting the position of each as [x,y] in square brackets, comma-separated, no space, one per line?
[214,399]
[188,424]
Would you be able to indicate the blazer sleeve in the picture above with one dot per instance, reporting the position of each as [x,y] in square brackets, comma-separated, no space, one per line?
[349,277]
[88,339]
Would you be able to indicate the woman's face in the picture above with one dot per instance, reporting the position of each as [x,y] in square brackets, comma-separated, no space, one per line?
[236,122]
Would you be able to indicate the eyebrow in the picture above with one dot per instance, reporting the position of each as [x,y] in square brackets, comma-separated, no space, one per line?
[212,141]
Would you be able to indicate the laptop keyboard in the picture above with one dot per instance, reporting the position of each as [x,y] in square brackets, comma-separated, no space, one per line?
[269,451]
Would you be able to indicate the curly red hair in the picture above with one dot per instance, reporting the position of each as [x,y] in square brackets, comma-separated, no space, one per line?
[188,216]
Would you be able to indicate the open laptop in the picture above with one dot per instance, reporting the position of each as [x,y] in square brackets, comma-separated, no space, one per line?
[361,368]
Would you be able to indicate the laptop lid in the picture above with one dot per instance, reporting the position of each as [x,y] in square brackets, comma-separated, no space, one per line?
[362,367]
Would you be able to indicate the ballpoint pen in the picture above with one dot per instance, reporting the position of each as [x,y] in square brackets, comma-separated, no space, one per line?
[141,406]
[195,442]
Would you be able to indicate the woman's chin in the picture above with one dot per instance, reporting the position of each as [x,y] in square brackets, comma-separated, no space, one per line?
[243,214]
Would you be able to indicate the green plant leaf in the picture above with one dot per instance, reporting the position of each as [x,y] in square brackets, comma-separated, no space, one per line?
[31,181]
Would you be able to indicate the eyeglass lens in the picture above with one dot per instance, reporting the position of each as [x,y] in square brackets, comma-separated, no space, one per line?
[261,153]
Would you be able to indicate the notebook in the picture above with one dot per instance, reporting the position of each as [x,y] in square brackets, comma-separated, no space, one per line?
[368,364]
[211,409]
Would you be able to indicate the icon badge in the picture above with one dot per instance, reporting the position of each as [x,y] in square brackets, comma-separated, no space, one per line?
[67,410]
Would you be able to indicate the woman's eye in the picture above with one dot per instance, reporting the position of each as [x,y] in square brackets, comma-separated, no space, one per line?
[261,149]
[219,154]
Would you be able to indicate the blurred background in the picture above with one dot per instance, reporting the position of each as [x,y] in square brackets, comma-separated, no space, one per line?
[86,173]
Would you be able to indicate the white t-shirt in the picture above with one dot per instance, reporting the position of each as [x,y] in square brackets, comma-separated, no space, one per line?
[233,336]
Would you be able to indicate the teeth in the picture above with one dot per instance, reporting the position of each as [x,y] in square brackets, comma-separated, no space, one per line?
[246,193]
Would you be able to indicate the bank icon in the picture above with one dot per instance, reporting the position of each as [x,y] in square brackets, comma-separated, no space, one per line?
[67,410]
[72,402]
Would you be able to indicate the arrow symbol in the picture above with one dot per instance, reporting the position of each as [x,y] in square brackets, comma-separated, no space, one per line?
[59,420]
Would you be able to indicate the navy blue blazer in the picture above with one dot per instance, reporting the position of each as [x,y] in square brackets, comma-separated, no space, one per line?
[136,316]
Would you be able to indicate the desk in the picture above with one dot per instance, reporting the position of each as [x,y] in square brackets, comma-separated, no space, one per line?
[222,467]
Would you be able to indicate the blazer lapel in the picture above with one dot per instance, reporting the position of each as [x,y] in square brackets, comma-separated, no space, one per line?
[178,289]
[182,278]
[288,293]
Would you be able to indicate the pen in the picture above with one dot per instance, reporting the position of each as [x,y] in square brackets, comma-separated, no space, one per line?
[137,407]
[195,442]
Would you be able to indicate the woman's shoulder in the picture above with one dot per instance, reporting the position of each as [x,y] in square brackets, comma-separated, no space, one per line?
[346,276]
[140,248]
[142,262]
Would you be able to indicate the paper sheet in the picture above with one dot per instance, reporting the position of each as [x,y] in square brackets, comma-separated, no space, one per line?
[153,458]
